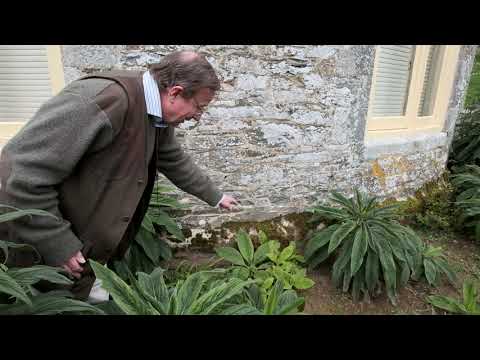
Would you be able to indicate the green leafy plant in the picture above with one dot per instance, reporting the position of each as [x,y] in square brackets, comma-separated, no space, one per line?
[285,267]
[267,263]
[371,246]
[277,302]
[16,284]
[198,294]
[465,149]
[437,199]
[151,246]
[433,265]
[468,200]
[469,305]
[473,92]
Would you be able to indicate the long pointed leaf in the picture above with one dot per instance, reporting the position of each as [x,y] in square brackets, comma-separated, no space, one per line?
[245,245]
[340,234]
[126,299]
[320,239]
[371,270]
[360,246]
[9,286]
[231,255]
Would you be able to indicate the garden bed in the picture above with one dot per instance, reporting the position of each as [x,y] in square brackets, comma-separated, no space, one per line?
[464,255]
[324,299]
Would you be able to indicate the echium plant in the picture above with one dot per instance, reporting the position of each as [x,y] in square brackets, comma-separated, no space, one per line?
[371,248]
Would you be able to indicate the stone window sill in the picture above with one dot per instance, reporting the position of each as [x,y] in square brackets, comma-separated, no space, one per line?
[406,142]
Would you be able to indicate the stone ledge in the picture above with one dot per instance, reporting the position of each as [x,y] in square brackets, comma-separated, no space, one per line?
[404,143]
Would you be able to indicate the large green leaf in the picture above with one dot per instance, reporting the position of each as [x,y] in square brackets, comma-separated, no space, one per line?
[469,296]
[273,298]
[254,294]
[189,292]
[341,262]
[241,309]
[231,255]
[445,303]
[347,277]
[162,218]
[209,301]
[126,299]
[4,245]
[245,246]
[51,303]
[371,270]
[46,304]
[155,289]
[262,237]
[13,215]
[358,283]
[358,201]
[31,275]
[260,254]
[389,270]
[147,224]
[331,213]
[398,252]
[289,302]
[9,286]
[137,260]
[447,270]
[430,271]
[109,308]
[341,233]
[301,282]
[404,274]
[319,257]
[346,204]
[165,250]
[286,253]
[360,246]
[320,239]
[150,244]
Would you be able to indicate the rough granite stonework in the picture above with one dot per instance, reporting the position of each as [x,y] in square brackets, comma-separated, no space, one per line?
[287,127]
[462,79]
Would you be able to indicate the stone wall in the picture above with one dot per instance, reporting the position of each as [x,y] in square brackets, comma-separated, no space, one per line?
[288,126]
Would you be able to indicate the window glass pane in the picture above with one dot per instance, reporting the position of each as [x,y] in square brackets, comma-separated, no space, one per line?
[431,79]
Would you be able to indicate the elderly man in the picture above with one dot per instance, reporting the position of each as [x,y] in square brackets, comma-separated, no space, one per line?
[90,157]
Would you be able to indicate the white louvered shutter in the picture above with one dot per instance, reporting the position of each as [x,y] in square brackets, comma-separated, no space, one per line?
[392,79]
[430,80]
[24,81]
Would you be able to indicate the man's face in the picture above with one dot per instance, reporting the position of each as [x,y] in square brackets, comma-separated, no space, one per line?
[176,109]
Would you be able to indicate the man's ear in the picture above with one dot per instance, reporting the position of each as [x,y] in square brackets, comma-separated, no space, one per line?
[174,91]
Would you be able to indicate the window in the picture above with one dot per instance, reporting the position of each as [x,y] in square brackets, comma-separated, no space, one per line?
[29,76]
[411,87]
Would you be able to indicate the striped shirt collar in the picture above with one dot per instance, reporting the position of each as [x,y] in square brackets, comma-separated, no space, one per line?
[152,99]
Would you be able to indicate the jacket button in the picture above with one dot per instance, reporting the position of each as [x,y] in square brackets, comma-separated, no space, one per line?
[139,181]
[126,219]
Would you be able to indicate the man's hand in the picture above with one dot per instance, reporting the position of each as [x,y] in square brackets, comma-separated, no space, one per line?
[73,265]
[228,202]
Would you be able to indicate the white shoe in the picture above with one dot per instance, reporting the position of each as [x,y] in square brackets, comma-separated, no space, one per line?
[97,294]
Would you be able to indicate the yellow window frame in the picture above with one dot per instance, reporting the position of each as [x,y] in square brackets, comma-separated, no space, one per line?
[388,125]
